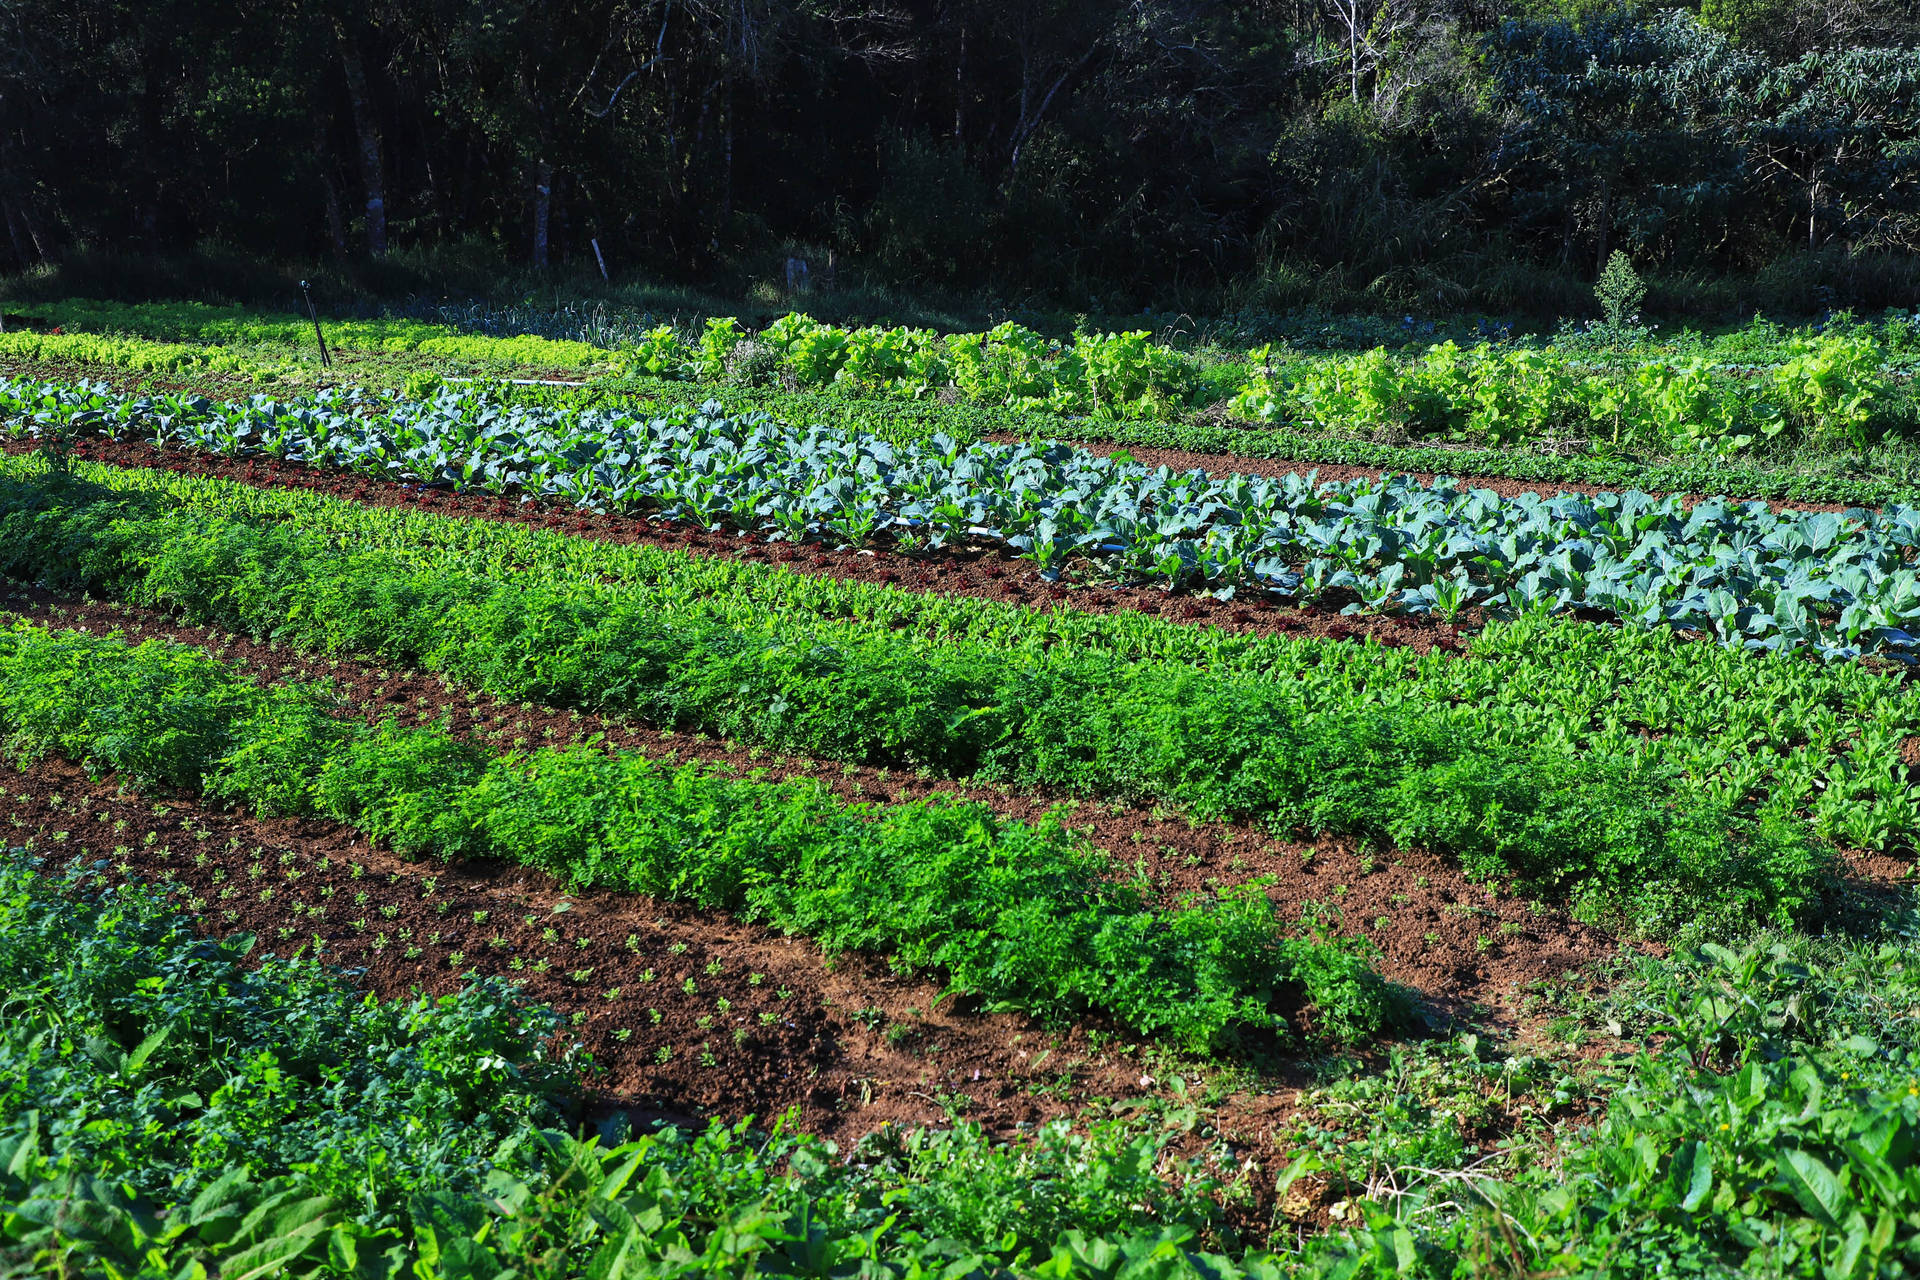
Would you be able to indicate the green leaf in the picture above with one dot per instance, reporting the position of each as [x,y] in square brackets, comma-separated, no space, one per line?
[1820,1191]
[1693,1174]
[145,1049]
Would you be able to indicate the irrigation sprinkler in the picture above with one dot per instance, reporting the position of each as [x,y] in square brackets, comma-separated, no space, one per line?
[326,361]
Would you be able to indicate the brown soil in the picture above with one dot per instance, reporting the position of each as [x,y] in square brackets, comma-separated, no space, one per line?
[985,572]
[1465,948]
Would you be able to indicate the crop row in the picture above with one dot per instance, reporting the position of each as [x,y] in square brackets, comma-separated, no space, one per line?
[193,322]
[1827,387]
[1806,475]
[249,1118]
[136,354]
[1020,917]
[1839,584]
[1823,739]
[1622,832]
[303,1129]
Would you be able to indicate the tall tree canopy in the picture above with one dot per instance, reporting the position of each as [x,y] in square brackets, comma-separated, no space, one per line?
[1138,145]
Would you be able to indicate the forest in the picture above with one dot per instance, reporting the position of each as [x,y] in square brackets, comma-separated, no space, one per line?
[1375,155]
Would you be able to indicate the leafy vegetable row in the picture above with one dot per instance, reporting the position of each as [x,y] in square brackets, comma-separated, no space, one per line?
[1622,834]
[1022,917]
[1840,584]
[1806,475]
[1828,387]
[131,353]
[1823,739]
[267,1119]
[1774,1131]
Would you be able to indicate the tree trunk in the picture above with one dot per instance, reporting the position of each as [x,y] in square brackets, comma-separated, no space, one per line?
[726,163]
[1353,45]
[1813,206]
[33,233]
[367,127]
[542,210]
[336,216]
[960,90]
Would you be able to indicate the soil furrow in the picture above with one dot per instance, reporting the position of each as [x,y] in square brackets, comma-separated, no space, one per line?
[1468,949]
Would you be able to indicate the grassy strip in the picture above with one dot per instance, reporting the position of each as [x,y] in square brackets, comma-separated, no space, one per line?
[1022,917]
[263,1120]
[1808,475]
[200,323]
[1616,834]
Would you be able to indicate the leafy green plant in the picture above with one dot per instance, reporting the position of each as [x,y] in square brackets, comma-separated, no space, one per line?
[1619,291]
[1022,916]
[1832,385]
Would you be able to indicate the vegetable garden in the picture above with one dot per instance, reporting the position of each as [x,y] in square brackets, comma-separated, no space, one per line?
[828,800]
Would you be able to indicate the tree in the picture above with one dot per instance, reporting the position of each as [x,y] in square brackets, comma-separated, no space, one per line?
[1621,114]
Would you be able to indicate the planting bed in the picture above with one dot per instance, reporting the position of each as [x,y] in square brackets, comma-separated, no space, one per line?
[1505,486]
[697,796]
[1467,949]
[987,572]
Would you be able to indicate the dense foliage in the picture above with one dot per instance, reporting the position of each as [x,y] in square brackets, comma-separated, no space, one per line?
[1839,584]
[1772,1134]
[1395,153]
[172,1110]
[1021,917]
[1625,830]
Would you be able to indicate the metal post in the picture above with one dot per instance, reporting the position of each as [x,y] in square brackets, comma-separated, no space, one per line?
[326,361]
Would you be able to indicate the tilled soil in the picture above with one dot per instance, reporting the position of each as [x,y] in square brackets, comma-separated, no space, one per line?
[1465,948]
